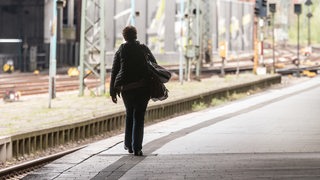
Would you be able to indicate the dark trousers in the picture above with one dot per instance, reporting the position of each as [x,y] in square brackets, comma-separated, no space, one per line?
[136,102]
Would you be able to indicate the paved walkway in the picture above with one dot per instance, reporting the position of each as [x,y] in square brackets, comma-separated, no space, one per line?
[271,135]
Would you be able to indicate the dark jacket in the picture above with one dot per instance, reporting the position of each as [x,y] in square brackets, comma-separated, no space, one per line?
[129,66]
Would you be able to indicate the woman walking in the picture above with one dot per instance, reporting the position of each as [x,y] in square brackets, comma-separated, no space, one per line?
[130,77]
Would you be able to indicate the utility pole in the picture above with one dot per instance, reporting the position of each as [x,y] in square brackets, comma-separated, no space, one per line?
[257,10]
[207,30]
[198,39]
[272,9]
[255,36]
[263,15]
[260,11]
[53,51]
[193,37]
[181,57]
[92,43]
[297,11]
[309,15]
[133,13]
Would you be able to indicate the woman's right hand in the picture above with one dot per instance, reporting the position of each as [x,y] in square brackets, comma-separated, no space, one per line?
[114,99]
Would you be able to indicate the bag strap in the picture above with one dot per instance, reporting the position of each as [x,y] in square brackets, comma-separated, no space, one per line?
[147,53]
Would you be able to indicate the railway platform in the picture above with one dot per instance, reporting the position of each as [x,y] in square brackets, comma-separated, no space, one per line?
[270,135]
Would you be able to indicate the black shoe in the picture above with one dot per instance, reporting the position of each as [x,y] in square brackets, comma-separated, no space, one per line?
[129,149]
[138,153]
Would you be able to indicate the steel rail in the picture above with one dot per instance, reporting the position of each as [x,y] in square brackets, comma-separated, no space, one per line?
[24,168]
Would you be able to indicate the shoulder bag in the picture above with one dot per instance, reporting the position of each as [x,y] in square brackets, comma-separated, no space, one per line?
[159,75]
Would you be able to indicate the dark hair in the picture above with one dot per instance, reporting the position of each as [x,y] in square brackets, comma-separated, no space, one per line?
[129,33]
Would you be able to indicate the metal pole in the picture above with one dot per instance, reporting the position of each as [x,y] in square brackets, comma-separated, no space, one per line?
[53,50]
[198,48]
[92,43]
[181,59]
[222,65]
[198,38]
[82,44]
[309,29]
[187,67]
[298,47]
[25,53]
[261,41]
[133,9]
[102,50]
[273,48]
[255,44]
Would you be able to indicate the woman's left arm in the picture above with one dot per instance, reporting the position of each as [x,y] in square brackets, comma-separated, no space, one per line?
[114,71]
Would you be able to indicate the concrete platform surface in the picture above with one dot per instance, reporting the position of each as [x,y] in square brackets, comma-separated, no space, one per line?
[271,135]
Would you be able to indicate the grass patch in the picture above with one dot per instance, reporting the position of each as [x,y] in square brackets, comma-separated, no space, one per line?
[223,100]
[217,102]
[198,106]
[236,96]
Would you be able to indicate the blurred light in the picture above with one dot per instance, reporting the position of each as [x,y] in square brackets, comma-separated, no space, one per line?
[10,40]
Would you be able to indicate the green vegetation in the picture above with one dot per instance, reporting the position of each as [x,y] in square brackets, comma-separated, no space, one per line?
[107,94]
[236,96]
[198,106]
[219,101]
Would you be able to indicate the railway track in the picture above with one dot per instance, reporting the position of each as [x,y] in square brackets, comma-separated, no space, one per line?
[19,171]
[30,84]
